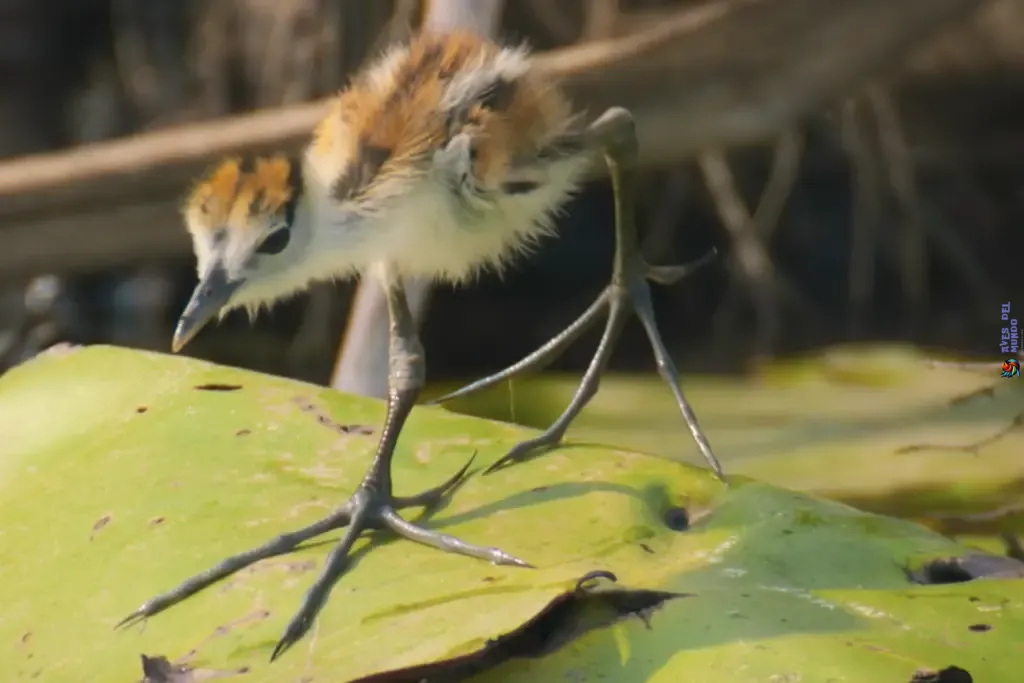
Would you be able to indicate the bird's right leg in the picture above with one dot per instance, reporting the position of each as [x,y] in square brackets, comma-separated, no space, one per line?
[372,507]
[614,135]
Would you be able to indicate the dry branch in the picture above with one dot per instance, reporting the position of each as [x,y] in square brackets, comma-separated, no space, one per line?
[750,263]
[866,208]
[730,73]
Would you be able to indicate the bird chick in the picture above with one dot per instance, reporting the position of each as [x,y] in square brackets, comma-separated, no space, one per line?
[437,161]
[443,157]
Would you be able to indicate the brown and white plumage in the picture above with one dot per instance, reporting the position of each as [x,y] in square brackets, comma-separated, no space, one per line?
[437,146]
[438,160]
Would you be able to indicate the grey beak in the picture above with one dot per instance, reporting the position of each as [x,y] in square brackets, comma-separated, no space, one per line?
[211,295]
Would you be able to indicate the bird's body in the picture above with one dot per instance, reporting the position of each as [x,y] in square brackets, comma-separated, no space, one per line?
[431,160]
[443,157]
[438,160]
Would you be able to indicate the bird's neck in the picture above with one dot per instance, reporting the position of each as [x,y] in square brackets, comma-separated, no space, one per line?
[332,235]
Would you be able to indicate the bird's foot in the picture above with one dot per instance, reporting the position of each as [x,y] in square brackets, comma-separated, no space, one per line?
[370,508]
[629,292]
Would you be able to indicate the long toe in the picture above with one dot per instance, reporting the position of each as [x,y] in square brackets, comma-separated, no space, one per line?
[277,546]
[450,544]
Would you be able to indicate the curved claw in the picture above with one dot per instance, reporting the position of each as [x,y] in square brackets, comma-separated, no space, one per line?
[520,452]
[136,617]
[293,633]
[589,577]
[148,609]
[431,496]
[669,275]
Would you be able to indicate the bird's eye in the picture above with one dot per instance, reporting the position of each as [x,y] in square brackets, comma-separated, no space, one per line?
[275,243]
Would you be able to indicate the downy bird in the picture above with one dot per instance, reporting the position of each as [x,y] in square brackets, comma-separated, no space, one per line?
[444,156]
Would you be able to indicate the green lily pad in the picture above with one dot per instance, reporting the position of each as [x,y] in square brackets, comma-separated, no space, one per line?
[879,428]
[122,473]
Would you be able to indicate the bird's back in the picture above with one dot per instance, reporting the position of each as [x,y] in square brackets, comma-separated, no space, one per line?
[439,148]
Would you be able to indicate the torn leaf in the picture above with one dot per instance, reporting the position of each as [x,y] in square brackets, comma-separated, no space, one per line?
[590,605]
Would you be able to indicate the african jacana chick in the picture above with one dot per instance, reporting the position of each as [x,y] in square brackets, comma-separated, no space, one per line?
[443,157]
[439,160]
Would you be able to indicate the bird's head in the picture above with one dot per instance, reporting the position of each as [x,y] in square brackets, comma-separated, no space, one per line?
[250,233]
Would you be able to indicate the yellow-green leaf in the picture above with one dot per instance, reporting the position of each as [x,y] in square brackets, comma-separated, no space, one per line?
[122,473]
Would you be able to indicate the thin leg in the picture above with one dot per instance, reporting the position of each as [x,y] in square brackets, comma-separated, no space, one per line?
[615,135]
[546,354]
[585,390]
[371,507]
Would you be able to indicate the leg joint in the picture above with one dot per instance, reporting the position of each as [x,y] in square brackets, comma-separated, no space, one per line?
[615,132]
[407,367]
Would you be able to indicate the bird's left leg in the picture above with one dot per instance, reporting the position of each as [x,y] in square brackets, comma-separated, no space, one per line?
[614,134]
[373,506]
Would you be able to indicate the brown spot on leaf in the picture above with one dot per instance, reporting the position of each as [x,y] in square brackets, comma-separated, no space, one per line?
[647,549]
[26,638]
[157,521]
[141,409]
[213,386]
[979,628]
[253,617]
[301,567]
[99,524]
[290,567]
[322,418]
[243,432]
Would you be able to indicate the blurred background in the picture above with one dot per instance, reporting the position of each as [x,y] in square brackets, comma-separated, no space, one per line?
[857,163]
[881,203]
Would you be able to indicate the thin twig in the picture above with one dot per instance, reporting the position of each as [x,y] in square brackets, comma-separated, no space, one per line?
[970,448]
[552,15]
[914,256]
[1014,548]
[866,210]
[668,202]
[751,261]
[600,19]
[781,179]
[1008,510]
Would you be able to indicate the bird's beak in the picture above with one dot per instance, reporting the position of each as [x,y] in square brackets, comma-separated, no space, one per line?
[211,295]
